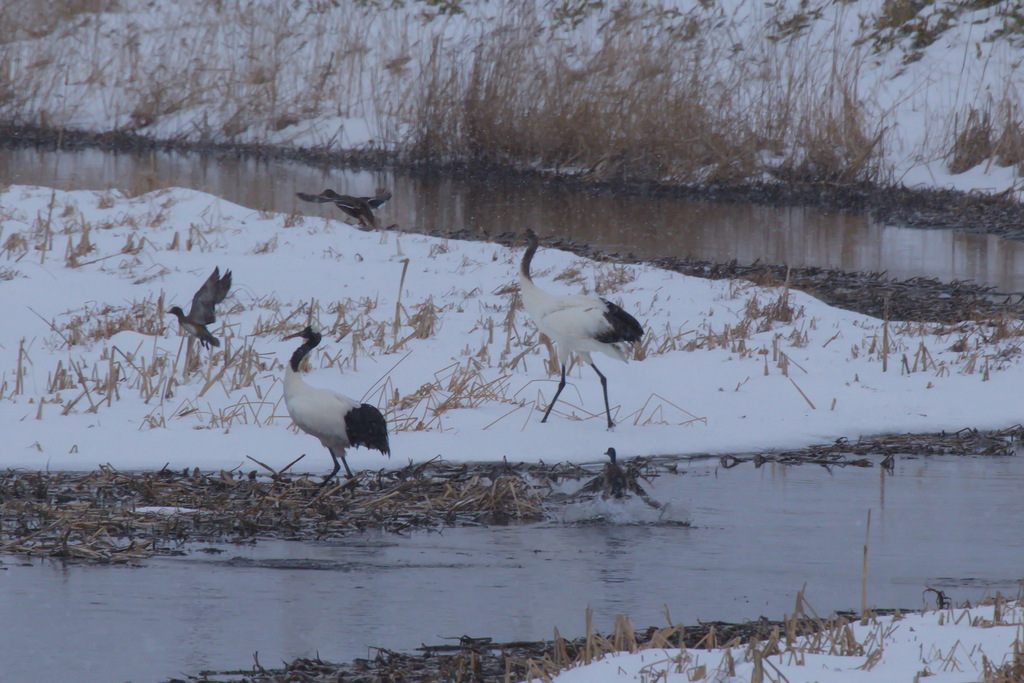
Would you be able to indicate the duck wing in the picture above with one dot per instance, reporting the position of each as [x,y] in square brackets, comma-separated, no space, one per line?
[325,196]
[380,200]
[209,295]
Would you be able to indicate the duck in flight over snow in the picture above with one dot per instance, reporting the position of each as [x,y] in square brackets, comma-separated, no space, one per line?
[201,313]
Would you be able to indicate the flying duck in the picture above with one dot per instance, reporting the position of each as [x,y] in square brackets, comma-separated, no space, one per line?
[201,313]
[360,208]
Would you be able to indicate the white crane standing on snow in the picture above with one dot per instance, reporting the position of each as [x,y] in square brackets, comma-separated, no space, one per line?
[576,324]
[338,421]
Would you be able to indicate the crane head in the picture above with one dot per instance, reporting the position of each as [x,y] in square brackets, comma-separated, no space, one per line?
[308,334]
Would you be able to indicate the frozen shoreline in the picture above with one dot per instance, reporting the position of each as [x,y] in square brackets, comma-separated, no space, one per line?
[950,644]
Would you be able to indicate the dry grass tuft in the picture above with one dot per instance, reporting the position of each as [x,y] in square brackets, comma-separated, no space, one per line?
[972,142]
[777,310]
[797,636]
[91,324]
[1011,671]
[28,19]
[993,133]
[16,243]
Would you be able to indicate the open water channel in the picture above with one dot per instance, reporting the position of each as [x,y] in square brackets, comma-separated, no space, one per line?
[646,226]
[756,535]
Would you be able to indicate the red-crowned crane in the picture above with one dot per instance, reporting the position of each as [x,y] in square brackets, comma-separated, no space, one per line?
[360,208]
[576,324]
[201,313]
[338,421]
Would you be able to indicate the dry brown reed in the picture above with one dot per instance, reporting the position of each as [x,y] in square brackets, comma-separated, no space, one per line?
[604,90]
[993,133]
[500,344]
[113,516]
[1011,671]
[765,645]
[527,99]
[630,91]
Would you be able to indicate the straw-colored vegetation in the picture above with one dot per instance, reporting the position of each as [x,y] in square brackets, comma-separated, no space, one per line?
[175,381]
[800,636]
[708,93]
[708,651]
[994,132]
[109,516]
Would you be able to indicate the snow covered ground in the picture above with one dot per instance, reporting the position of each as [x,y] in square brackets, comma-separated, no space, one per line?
[943,646]
[94,370]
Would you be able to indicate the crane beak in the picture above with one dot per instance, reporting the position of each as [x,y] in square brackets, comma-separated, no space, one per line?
[293,336]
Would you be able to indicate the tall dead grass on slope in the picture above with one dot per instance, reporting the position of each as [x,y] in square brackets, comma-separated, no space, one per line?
[627,91]
[652,95]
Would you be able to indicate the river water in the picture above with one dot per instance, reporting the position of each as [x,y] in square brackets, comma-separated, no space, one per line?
[647,227]
[756,537]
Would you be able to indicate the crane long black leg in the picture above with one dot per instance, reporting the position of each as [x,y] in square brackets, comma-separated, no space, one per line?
[561,385]
[345,463]
[337,466]
[604,387]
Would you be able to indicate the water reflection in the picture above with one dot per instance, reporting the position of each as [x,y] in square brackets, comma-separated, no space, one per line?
[644,226]
[758,536]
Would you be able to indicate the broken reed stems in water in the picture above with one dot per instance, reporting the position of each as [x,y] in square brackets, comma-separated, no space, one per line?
[112,516]
[864,569]
[885,338]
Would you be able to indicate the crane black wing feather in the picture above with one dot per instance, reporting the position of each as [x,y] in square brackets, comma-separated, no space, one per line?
[622,326]
[365,426]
